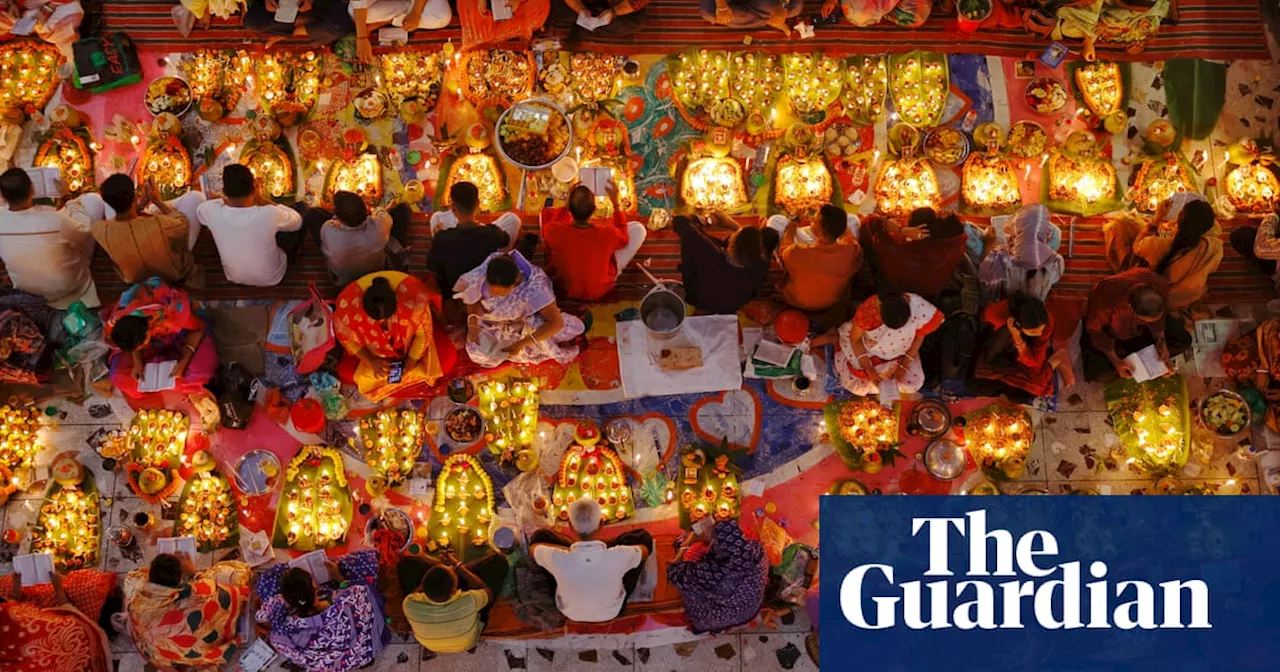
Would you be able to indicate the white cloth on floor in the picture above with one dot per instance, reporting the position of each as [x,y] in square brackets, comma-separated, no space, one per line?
[721,368]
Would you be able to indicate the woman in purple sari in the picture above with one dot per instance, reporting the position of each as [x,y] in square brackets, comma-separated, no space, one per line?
[333,626]
[512,314]
[722,580]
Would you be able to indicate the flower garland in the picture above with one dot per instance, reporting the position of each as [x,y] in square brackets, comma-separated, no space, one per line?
[452,515]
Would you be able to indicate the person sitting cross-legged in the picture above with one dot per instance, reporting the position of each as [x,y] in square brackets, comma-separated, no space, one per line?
[47,251]
[1127,312]
[449,606]
[143,244]
[183,619]
[154,323]
[721,577]
[459,243]
[820,260]
[354,240]
[593,579]
[330,623]
[584,258]
[255,236]
[751,13]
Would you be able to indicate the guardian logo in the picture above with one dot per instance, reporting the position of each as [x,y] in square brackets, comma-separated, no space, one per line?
[1008,580]
[1049,584]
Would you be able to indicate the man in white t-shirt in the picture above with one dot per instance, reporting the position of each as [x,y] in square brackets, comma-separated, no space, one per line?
[250,230]
[592,579]
[46,251]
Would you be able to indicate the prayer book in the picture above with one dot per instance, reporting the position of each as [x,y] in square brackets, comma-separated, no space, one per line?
[501,10]
[35,568]
[889,392]
[595,178]
[287,11]
[45,182]
[157,376]
[257,657]
[592,22]
[313,562]
[1146,364]
[177,546]
[776,354]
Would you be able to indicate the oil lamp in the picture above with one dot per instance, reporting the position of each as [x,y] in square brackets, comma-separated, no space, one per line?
[391,441]
[315,505]
[288,84]
[1003,437]
[990,183]
[918,84]
[866,83]
[463,505]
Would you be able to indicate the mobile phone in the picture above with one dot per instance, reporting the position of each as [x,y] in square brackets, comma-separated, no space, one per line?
[287,11]
[396,372]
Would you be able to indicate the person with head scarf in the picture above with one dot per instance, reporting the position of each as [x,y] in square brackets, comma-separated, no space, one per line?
[722,578]
[1182,244]
[1028,260]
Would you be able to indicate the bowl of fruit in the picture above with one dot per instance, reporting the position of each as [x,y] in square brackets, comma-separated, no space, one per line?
[971,13]
[1225,413]
[534,134]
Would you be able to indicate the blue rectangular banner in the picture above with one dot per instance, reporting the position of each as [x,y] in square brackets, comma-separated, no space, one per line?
[1068,583]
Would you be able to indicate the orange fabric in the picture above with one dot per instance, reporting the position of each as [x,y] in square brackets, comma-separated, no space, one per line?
[58,639]
[819,275]
[479,29]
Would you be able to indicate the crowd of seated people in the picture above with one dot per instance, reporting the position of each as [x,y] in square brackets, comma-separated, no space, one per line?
[898,299]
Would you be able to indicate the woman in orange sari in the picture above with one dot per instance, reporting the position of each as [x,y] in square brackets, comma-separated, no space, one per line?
[480,29]
[58,638]
[1182,243]
[384,321]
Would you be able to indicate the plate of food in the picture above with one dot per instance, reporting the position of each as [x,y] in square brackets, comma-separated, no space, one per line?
[464,424]
[533,134]
[393,519]
[168,94]
[1027,139]
[1225,413]
[946,146]
[1046,95]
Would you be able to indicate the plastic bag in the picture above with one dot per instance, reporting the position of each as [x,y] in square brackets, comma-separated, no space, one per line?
[774,539]
[792,576]
[520,493]
[311,332]
[911,13]
[234,388]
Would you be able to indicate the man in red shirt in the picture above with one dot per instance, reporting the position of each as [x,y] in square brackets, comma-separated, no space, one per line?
[584,257]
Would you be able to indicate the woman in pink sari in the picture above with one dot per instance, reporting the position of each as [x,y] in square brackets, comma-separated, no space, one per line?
[154,322]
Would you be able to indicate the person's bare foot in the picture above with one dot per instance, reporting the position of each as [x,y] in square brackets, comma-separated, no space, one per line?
[1090,54]
[779,22]
[273,40]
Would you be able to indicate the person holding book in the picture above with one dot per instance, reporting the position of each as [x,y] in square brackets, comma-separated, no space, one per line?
[585,257]
[512,314]
[1126,313]
[881,344]
[1182,242]
[394,343]
[325,621]
[448,607]
[46,251]
[51,634]
[721,276]
[156,324]
[354,240]
[182,619]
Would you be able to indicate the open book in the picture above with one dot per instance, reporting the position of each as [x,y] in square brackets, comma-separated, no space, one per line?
[35,568]
[177,546]
[315,563]
[157,376]
[1146,364]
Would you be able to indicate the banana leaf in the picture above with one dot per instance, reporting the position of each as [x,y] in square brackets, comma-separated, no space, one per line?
[1195,91]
